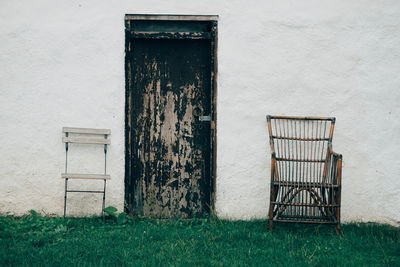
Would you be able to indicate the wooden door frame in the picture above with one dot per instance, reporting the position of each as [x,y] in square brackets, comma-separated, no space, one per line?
[212,35]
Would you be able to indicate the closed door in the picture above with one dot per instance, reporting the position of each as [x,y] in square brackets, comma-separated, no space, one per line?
[170,134]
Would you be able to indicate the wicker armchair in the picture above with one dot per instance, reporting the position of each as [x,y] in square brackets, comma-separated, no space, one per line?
[305,172]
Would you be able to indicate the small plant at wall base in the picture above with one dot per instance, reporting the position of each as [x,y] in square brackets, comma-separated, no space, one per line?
[119,218]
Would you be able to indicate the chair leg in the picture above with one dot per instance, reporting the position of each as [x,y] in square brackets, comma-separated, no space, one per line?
[271,208]
[65,196]
[270,225]
[339,229]
[104,200]
[270,216]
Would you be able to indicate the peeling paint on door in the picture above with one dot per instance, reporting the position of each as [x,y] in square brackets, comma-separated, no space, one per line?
[171,89]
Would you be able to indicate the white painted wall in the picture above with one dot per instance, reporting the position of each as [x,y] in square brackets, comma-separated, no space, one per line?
[62,64]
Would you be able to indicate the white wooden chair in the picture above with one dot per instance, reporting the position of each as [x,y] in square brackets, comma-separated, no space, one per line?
[85,136]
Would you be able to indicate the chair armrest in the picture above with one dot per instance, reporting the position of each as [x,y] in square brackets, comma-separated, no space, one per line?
[334,174]
[336,154]
[274,170]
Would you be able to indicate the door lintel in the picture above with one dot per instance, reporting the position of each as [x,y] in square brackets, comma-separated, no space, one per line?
[171,17]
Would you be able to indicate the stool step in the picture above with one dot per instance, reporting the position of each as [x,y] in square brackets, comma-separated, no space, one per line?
[85,176]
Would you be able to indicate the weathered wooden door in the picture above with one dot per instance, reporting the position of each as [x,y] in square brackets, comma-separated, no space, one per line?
[170,116]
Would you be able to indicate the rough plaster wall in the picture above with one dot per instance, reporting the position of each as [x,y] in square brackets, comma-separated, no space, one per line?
[62,64]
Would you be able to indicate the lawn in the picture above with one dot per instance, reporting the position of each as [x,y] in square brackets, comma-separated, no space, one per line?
[36,240]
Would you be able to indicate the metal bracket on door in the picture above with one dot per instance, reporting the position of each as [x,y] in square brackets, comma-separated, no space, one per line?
[205,118]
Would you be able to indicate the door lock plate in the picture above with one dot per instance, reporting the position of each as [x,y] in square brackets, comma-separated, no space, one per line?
[204,118]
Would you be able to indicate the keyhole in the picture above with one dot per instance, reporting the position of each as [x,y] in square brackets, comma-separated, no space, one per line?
[197,111]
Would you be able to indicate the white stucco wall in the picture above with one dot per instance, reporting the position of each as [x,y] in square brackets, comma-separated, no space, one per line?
[62,64]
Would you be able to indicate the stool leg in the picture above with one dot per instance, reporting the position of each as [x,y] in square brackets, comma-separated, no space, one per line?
[65,196]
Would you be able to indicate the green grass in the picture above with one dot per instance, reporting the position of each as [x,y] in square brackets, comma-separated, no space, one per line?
[36,240]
